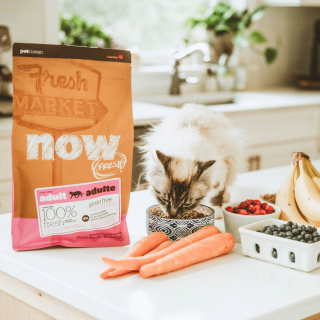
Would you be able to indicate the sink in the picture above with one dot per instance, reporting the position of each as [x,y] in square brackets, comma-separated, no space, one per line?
[206,98]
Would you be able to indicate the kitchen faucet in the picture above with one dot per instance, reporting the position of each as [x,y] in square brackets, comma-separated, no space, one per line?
[176,78]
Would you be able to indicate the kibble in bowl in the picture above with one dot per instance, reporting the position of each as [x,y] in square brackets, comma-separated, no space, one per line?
[183,225]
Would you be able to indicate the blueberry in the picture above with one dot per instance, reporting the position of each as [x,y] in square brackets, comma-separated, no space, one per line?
[289,234]
[311,229]
[295,231]
[308,236]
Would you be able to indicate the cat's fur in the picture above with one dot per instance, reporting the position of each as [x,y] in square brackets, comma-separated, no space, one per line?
[191,157]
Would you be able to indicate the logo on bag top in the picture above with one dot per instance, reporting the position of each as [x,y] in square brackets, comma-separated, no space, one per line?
[67,89]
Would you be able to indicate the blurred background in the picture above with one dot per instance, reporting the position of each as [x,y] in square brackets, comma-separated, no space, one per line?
[256,61]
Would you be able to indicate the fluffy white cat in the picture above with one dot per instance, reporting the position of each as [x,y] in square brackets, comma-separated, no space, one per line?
[191,157]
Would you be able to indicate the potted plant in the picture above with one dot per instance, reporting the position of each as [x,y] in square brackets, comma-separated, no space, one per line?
[228,27]
[228,31]
[78,32]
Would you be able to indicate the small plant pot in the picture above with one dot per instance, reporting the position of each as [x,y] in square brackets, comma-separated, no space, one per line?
[177,228]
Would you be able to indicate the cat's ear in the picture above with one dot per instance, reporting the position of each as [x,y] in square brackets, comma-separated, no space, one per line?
[164,159]
[203,165]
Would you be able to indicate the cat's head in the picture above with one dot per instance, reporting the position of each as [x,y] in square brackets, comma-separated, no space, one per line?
[179,184]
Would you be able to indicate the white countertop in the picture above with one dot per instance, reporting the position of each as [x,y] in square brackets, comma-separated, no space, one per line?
[145,113]
[273,98]
[229,287]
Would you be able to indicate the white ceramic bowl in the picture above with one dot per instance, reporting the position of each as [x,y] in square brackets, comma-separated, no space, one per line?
[233,221]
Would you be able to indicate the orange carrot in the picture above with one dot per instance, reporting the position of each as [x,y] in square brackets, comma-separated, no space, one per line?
[161,246]
[119,272]
[147,243]
[134,263]
[202,250]
[140,248]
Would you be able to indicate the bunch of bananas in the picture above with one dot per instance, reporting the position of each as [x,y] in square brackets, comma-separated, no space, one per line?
[299,196]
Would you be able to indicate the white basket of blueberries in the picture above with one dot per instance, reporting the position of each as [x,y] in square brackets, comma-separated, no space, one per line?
[284,243]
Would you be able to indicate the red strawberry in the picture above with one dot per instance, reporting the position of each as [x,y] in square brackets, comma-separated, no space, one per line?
[230,209]
[264,206]
[257,202]
[256,207]
[269,209]
[262,211]
[243,211]
[243,205]
[251,208]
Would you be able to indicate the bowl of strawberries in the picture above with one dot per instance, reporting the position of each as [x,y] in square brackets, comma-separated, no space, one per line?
[248,211]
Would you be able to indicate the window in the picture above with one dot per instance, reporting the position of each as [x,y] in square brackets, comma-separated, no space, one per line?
[153,28]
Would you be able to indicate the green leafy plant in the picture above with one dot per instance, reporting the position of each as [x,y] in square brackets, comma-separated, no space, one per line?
[223,18]
[77,31]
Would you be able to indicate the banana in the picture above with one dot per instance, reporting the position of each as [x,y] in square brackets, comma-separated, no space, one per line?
[286,200]
[314,173]
[307,193]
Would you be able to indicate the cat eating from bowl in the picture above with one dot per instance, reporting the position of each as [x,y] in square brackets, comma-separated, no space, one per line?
[191,158]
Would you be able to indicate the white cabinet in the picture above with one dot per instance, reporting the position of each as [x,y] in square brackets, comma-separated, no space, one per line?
[273,134]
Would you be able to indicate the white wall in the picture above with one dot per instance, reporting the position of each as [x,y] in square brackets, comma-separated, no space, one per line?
[294,28]
[30,21]
[37,21]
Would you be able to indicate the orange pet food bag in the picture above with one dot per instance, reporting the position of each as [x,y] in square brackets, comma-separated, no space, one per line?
[72,146]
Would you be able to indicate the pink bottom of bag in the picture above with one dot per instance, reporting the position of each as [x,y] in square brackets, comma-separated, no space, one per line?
[27,236]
